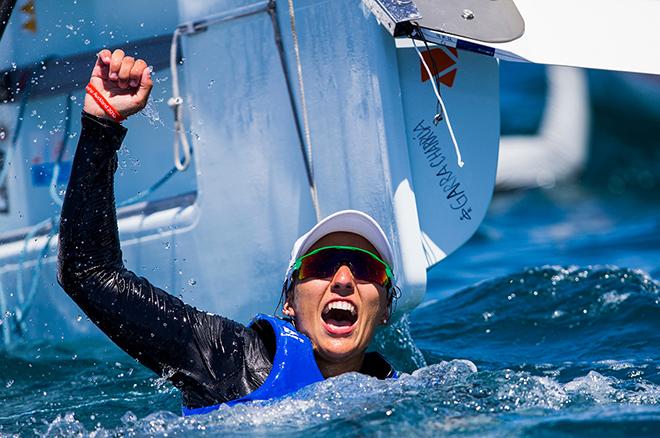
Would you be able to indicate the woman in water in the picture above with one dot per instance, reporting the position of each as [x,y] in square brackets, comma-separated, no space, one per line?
[339,285]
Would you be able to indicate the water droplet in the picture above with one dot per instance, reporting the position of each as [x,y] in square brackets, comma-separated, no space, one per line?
[87,41]
[211,83]
[192,282]
[9,383]
[557,314]
[166,245]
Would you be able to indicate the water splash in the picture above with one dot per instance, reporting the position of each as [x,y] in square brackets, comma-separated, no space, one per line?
[151,113]
[447,397]
[396,343]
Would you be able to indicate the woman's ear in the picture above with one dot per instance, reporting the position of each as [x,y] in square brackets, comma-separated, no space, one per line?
[382,316]
[384,319]
[289,307]
[386,310]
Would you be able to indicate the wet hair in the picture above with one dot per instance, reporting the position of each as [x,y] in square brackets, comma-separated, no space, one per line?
[284,295]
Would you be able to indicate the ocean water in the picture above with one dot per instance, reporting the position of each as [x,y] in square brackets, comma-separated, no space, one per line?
[547,323]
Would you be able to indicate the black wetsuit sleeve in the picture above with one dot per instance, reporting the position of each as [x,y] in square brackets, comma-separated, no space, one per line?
[210,358]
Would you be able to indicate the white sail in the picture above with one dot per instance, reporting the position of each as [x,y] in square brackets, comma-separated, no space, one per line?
[601,34]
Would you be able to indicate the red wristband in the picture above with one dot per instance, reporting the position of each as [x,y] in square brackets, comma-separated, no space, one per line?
[109,109]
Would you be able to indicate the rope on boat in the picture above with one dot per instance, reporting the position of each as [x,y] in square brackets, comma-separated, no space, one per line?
[143,194]
[303,102]
[296,113]
[459,159]
[175,102]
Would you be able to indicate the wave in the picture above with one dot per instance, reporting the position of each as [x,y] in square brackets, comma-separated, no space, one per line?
[443,398]
[557,351]
[546,315]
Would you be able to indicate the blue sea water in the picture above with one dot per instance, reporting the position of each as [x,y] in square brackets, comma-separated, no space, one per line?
[547,323]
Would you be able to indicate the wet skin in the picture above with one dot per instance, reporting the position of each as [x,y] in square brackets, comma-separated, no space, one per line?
[338,349]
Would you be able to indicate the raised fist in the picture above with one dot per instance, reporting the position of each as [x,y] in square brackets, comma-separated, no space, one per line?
[123,81]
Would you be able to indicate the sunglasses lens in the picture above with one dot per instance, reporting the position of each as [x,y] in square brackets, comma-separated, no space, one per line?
[325,263]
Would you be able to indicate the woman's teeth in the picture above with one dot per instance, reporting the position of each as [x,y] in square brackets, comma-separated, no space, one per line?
[340,305]
[340,314]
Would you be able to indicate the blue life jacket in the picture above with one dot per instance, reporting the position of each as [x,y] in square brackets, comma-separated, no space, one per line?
[294,366]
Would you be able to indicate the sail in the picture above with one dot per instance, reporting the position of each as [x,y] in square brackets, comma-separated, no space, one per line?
[600,34]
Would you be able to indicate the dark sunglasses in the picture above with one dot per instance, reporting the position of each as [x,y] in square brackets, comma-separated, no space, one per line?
[324,262]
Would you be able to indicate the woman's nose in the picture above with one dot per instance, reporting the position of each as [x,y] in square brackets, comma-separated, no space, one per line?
[343,281]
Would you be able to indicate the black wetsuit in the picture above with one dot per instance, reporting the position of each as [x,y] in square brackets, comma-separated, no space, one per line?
[211,359]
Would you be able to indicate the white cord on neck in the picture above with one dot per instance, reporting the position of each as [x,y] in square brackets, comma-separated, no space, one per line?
[459,159]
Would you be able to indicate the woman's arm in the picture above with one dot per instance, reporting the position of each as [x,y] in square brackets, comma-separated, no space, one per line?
[212,359]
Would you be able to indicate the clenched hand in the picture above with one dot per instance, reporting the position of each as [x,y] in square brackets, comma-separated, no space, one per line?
[123,81]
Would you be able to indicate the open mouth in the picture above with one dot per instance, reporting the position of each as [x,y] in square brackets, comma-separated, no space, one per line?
[339,317]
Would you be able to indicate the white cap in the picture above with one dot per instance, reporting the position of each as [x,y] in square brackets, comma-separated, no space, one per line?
[352,221]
